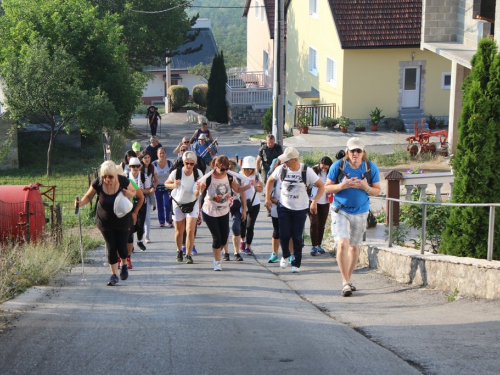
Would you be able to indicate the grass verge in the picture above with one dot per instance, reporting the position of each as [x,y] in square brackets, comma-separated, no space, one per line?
[36,264]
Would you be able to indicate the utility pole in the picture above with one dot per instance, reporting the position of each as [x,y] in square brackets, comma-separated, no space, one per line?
[278,71]
[167,83]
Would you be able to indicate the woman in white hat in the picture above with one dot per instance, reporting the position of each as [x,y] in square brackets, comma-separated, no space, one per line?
[114,229]
[253,203]
[185,194]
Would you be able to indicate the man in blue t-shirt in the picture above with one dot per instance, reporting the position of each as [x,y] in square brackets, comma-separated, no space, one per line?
[206,151]
[351,205]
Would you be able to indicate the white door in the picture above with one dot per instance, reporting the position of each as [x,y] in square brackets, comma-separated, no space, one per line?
[411,87]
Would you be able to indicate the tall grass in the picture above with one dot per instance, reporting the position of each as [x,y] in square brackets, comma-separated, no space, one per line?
[37,263]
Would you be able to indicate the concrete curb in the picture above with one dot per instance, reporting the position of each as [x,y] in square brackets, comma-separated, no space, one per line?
[471,277]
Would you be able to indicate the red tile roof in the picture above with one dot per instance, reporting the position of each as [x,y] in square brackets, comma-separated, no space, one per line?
[377,23]
[269,6]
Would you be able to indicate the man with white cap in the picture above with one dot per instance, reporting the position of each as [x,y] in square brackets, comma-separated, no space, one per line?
[207,152]
[293,203]
[352,179]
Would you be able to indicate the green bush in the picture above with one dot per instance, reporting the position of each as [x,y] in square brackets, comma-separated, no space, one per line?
[179,96]
[267,120]
[328,122]
[394,124]
[200,95]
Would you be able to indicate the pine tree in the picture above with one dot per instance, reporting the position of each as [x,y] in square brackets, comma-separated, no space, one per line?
[216,97]
[476,165]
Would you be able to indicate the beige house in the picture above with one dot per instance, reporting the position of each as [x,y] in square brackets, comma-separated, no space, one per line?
[346,58]
[452,30]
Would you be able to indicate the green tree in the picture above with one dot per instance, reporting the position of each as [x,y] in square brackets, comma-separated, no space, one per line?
[65,66]
[201,70]
[475,164]
[216,98]
[150,28]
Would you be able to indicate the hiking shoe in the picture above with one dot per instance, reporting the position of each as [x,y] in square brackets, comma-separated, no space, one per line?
[147,240]
[314,251]
[141,245]
[346,291]
[273,258]
[320,249]
[284,262]
[291,258]
[162,225]
[295,269]
[217,265]
[225,256]
[242,246]
[248,251]
[129,263]
[194,252]
[179,256]
[183,250]
[237,257]
[189,260]
[113,280]
[170,225]
[124,272]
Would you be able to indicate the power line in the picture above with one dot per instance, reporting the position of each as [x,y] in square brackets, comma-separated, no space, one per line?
[188,4]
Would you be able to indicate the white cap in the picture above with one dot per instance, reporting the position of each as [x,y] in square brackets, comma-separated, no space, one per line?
[290,153]
[354,143]
[189,155]
[134,161]
[202,136]
[248,162]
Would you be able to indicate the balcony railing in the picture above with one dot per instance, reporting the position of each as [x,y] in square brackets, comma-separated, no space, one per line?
[248,80]
[254,96]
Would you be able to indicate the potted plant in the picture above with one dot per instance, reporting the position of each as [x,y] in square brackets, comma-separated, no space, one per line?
[304,122]
[359,126]
[441,123]
[375,117]
[432,121]
[344,123]
[328,122]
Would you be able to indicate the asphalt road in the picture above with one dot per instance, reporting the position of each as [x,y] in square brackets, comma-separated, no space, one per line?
[251,318]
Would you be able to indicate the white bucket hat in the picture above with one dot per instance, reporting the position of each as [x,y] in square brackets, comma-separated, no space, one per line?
[248,162]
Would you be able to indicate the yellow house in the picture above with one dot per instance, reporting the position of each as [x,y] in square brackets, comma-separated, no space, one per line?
[344,58]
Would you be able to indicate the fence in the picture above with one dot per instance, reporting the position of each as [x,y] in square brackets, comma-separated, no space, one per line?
[316,113]
[249,96]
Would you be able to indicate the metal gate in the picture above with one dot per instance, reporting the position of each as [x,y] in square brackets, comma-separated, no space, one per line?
[314,112]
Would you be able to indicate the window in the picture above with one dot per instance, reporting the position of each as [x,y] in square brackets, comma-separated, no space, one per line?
[313,61]
[446,81]
[313,8]
[265,63]
[331,74]
[262,11]
[257,9]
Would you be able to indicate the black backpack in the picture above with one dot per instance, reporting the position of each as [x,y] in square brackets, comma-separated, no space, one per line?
[368,169]
[178,173]
[178,163]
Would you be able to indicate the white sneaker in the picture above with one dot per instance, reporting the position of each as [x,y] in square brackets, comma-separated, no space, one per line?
[283,262]
[217,266]
[295,269]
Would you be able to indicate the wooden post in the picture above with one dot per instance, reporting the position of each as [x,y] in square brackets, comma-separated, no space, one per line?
[393,180]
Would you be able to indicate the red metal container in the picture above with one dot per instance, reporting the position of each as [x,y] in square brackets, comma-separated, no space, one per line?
[15,223]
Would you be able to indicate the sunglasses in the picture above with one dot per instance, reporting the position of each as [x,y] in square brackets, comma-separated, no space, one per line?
[185,163]
[134,166]
[182,150]
[358,150]
[108,176]
[223,169]
[186,142]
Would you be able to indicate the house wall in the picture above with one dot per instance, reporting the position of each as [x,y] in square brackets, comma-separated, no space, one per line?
[258,41]
[379,83]
[313,32]
[155,88]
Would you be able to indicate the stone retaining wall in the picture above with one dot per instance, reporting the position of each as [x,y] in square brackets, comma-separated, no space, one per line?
[472,277]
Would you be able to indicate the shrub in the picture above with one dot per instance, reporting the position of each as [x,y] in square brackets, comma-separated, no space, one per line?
[267,120]
[200,95]
[179,96]
[394,124]
[328,122]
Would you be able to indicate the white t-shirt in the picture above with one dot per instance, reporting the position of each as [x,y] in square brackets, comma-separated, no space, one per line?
[293,191]
[185,192]
[250,192]
[323,200]
[218,197]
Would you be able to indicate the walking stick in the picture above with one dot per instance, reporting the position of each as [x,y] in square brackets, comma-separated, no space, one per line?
[160,127]
[77,211]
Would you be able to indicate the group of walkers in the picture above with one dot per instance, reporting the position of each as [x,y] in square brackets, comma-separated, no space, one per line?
[200,186]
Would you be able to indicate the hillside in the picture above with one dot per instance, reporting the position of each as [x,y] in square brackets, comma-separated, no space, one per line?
[228,27]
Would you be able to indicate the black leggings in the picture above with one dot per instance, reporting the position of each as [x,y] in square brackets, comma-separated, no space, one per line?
[317,228]
[219,227]
[139,225]
[116,240]
[276,228]
[248,225]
